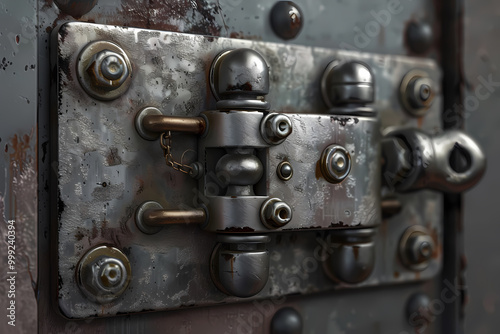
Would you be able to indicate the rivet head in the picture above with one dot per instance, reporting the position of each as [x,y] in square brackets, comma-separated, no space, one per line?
[284,170]
[417,311]
[419,37]
[103,274]
[351,256]
[335,163]
[347,82]
[286,321]
[76,8]
[239,265]
[239,78]
[286,19]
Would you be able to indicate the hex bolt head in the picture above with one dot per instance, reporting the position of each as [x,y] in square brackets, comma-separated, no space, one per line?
[110,274]
[275,213]
[103,274]
[113,67]
[104,70]
[425,92]
[335,163]
[420,248]
[416,248]
[276,128]
[417,92]
[107,70]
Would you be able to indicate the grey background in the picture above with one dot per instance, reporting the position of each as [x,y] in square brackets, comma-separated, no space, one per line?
[482,228]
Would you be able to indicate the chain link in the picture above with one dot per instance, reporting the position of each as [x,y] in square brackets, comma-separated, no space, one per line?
[166,145]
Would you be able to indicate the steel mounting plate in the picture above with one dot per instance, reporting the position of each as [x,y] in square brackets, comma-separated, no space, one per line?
[106,170]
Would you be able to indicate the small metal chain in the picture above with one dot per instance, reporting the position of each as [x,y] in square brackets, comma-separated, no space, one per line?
[166,145]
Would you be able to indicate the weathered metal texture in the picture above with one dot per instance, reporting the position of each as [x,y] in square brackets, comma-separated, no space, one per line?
[18,166]
[369,26]
[106,169]
[352,203]
[365,310]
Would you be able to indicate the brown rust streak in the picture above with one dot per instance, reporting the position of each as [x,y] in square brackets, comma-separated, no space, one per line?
[154,14]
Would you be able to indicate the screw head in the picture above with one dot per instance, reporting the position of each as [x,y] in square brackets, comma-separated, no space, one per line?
[103,274]
[335,163]
[275,213]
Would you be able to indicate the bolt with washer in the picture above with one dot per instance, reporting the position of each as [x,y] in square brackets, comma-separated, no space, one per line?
[335,163]
[104,70]
[276,128]
[103,274]
[107,70]
[417,92]
[275,213]
[416,248]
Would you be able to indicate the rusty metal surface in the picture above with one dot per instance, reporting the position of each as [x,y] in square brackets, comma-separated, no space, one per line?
[105,169]
[18,166]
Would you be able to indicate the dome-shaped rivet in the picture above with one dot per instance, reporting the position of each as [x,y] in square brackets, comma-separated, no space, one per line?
[239,78]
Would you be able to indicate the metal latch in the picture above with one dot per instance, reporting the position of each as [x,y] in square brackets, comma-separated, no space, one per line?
[195,170]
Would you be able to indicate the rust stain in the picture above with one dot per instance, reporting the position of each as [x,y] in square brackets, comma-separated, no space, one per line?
[241,35]
[153,14]
[20,146]
[355,250]
[396,274]
[231,258]
[113,158]
[140,187]
[437,248]
[318,173]
[420,122]
[239,229]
